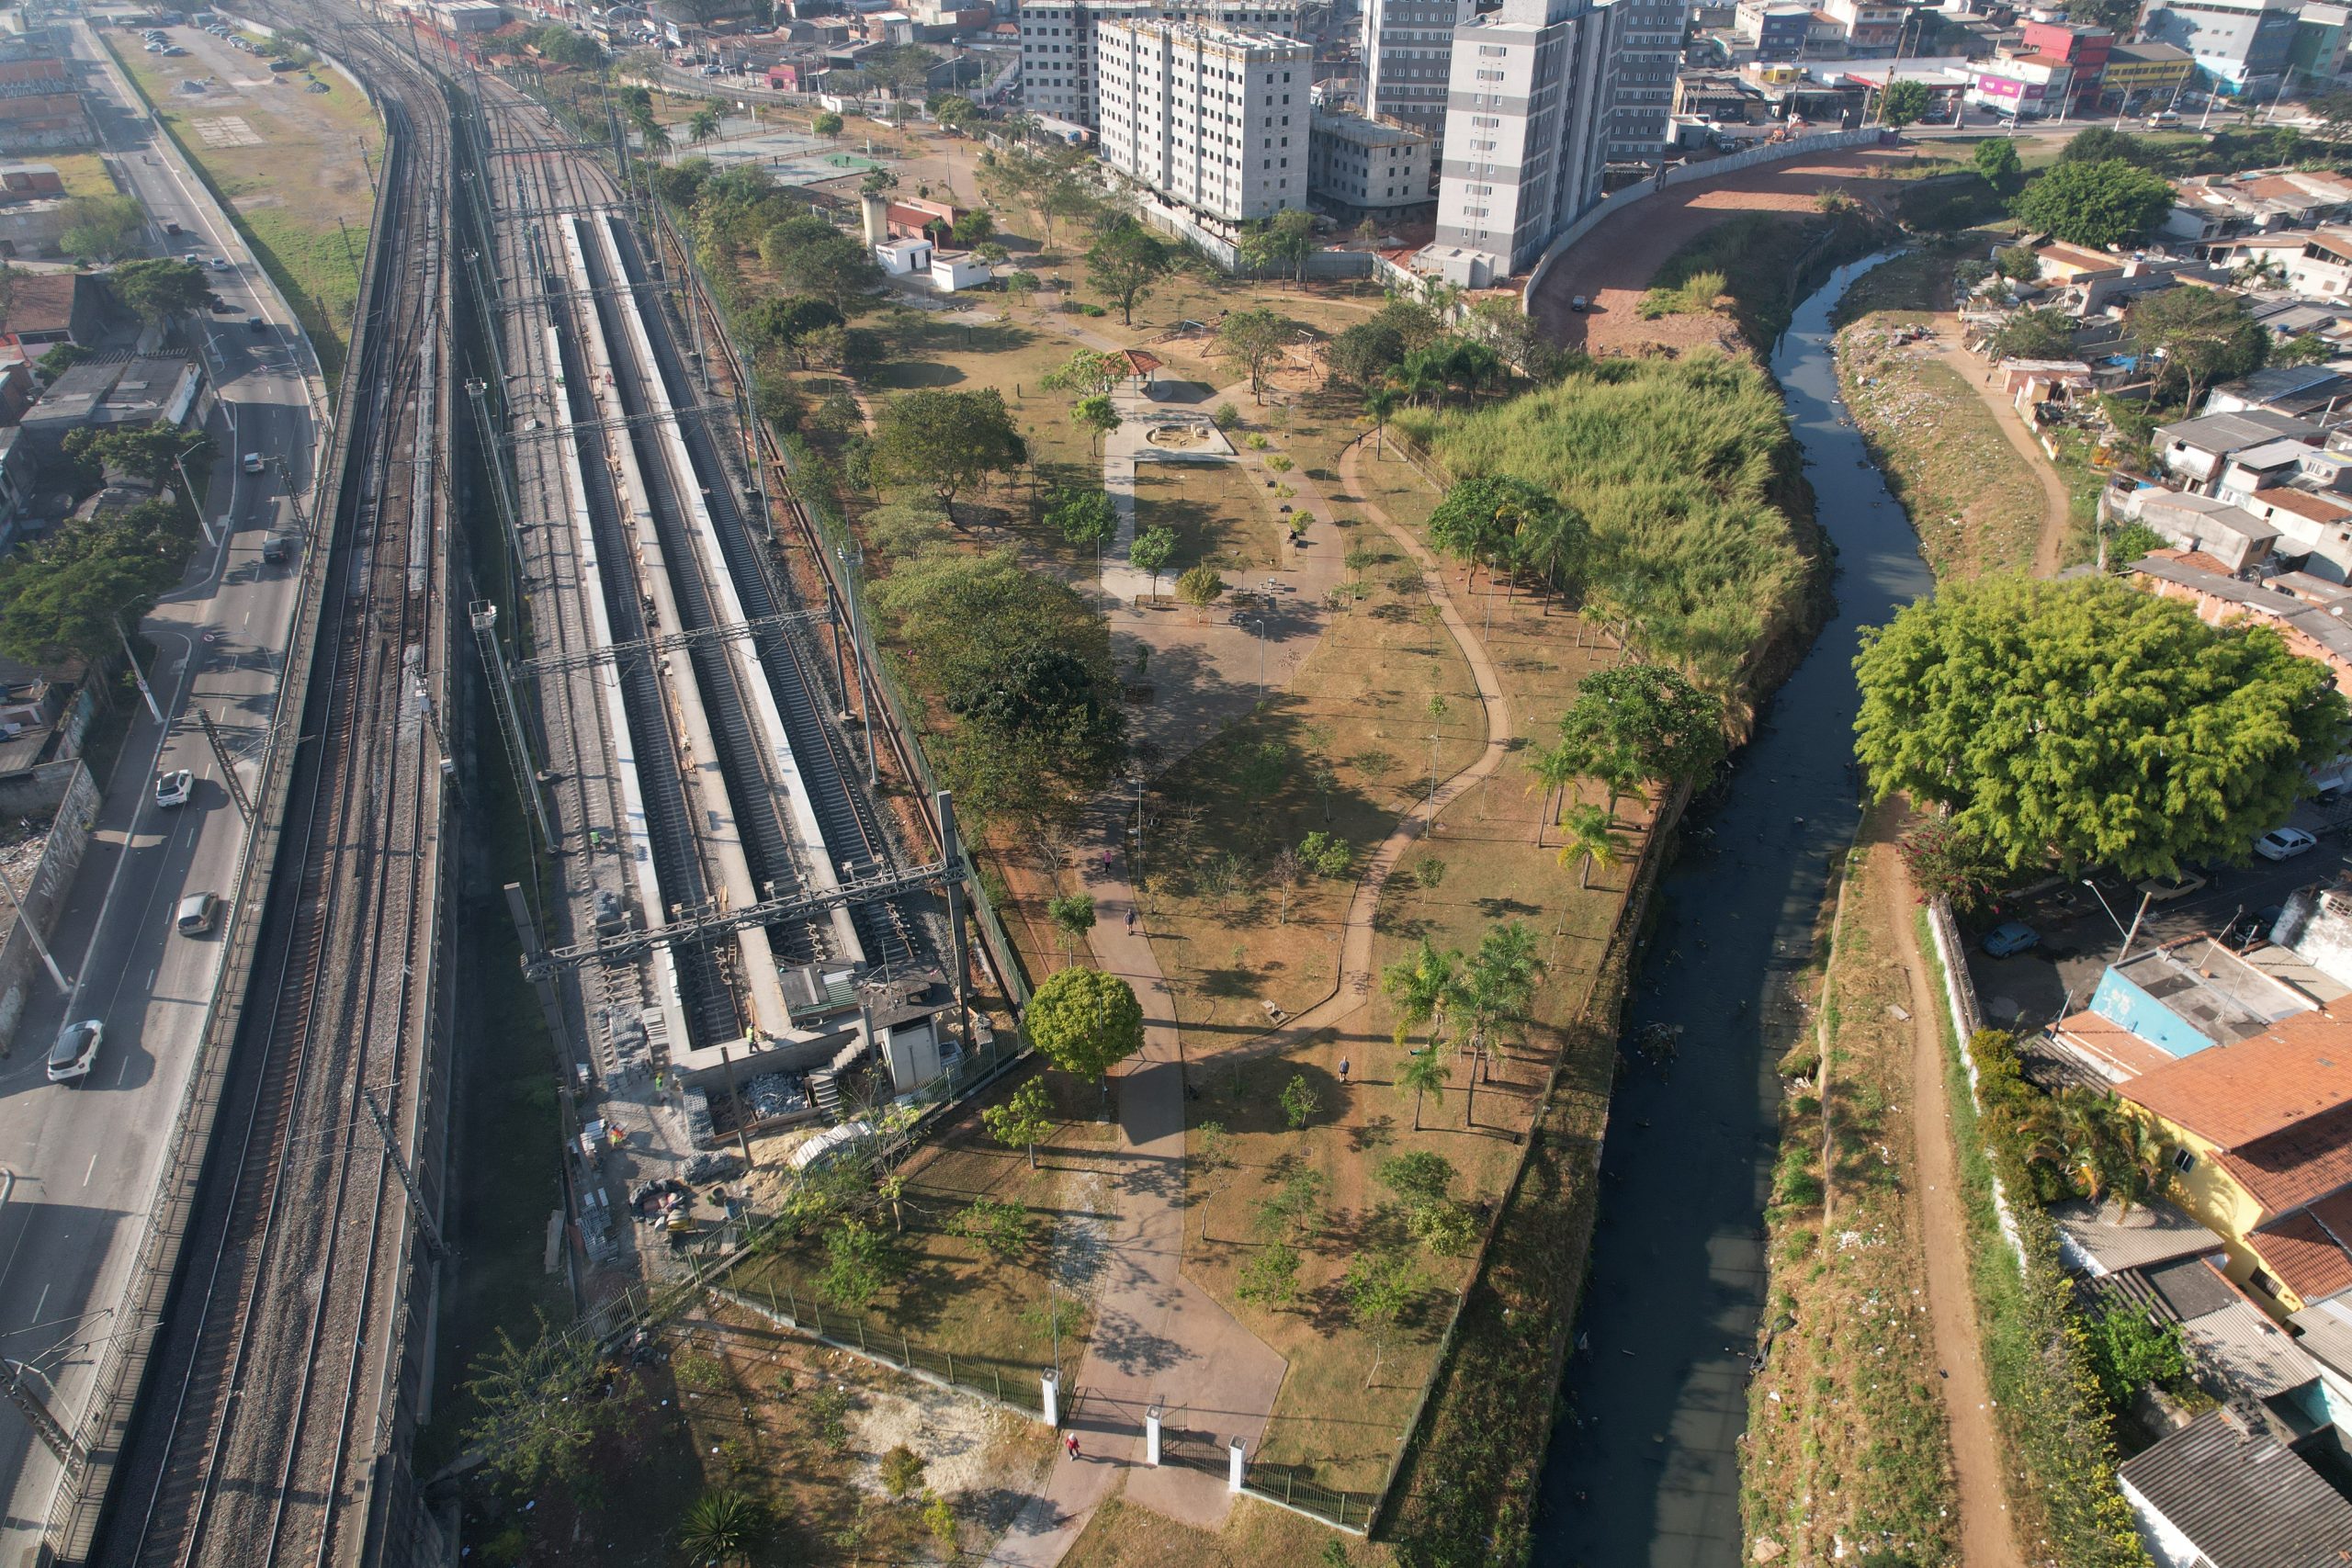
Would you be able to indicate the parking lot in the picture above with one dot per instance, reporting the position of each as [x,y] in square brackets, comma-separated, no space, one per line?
[2080,938]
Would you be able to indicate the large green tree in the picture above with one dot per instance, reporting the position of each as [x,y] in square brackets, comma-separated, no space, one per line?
[2036,334]
[2106,203]
[1085,1021]
[157,289]
[2202,336]
[1257,337]
[538,1407]
[1124,263]
[1640,723]
[100,227]
[2085,723]
[1906,103]
[945,442]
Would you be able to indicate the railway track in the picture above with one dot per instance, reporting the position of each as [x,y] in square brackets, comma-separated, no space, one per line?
[269,1405]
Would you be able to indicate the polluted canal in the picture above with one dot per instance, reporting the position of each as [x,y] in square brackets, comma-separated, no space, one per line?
[1645,1462]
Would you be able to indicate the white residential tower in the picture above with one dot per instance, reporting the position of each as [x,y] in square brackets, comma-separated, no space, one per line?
[1213,120]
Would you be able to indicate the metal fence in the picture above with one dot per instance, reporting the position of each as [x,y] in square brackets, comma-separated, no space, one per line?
[1014,1384]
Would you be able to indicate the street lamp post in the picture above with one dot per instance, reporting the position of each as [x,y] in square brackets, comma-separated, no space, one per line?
[193,499]
[25,918]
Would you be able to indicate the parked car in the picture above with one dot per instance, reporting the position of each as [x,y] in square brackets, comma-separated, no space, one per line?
[1576,302]
[222,264]
[2012,937]
[76,1051]
[253,463]
[174,787]
[2164,890]
[2283,843]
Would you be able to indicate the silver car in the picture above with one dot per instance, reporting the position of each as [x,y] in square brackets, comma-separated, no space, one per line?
[76,1051]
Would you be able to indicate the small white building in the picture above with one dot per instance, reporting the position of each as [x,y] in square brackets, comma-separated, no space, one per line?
[904,258]
[954,270]
[1366,163]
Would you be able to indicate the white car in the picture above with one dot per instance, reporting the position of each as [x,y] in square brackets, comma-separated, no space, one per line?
[2284,843]
[254,463]
[174,787]
[76,1051]
[220,264]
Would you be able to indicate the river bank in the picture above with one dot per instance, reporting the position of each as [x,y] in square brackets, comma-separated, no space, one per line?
[1645,1462]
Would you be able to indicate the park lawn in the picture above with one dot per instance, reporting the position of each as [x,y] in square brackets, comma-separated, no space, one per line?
[300,196]
[1847,1439]
[1359,705]
[1340,1432]
[1221,514]
[951,1298]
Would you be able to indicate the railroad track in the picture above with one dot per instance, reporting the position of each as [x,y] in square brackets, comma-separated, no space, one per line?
[271,1394]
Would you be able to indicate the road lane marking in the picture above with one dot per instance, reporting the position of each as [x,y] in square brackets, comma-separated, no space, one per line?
[93,1169]
[41,1303]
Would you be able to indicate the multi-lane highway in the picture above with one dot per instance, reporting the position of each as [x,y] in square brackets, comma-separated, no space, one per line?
[81,1164]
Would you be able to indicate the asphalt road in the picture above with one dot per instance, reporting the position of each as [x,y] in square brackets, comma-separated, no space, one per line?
[81,1164]
[1644,1465]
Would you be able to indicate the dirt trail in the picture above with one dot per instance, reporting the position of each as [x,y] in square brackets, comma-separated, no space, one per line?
[1986,1540]
[2057,516]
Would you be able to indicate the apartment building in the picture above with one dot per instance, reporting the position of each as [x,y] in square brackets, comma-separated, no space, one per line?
[1058,41]
[1367,164]
[1649,48]
[1528,131]
[1408,49]
[1215,120]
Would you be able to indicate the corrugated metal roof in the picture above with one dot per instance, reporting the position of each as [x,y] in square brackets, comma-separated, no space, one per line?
[2325,1331]
[2242,1346]
[2241,1496]
[2099,1238]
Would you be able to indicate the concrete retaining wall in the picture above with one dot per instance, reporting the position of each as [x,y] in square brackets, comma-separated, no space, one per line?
[1831,141]
[67,790]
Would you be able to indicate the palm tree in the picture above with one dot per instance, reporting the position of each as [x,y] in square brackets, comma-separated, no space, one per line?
[723,1527]
[1496,986]
[704,125]
[1424,1072]
[1552,767]
[1421,986]
[1592,834]
[1421,377]
[2145,1157]
[1552,540]
[1378,404]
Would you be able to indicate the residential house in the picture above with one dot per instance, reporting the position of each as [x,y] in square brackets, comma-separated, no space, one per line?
[1775,31]
[2212,206]
[904,257]
[2300,391]
[2324,264]
[2084,49]
[2307,611]
[2024,87]
[2062,263]
[1873,28]
[48,307]
[2270,465]
[2203,525]
[2229,1490]
[2030,383]
[2195,450]
[2314,526]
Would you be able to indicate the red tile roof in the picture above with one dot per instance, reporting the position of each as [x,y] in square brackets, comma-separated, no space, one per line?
[2304,503]
[2299,1250]
[2231,1096]
[2293,1166]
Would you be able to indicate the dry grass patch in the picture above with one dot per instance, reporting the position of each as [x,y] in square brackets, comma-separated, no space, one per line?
[292,177]
[1221,514]
[1121,1535]
[736,1404]
[1847,1441]
[949,1296]
[85,173]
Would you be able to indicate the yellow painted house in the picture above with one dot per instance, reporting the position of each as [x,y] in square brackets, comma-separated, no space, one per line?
[2260,1125]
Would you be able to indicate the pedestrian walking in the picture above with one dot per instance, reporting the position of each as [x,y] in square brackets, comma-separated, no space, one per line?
[1071,1442]
[1343,1069]
[1131,920]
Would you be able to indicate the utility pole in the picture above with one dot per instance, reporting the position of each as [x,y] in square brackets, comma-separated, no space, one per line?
[229,779]
[425,1228]
[53,1434]
[485,616]
[33,930]
[137,674]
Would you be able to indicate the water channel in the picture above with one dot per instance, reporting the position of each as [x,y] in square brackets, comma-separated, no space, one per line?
[1645,1464]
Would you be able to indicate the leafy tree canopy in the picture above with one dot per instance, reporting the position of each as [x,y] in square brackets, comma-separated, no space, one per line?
[157,289]
[1644,723]
[945,441]
[1085,1020]
[101,227]
[2202,335]
[2087,723]
[1997,160]
[1124,263]
[1906,103]
[2111,202]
